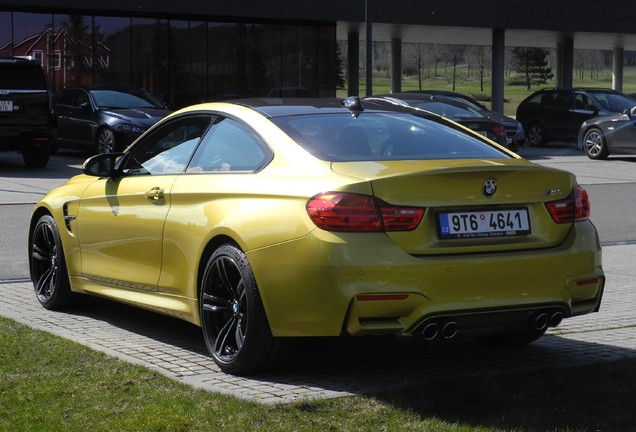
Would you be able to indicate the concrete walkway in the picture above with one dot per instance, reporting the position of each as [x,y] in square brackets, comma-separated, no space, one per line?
[322,368]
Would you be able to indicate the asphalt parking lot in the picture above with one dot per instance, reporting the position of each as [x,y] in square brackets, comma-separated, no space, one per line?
[322,368]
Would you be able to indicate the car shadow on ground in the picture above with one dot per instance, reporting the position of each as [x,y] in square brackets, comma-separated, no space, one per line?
[366,365]
[63,165]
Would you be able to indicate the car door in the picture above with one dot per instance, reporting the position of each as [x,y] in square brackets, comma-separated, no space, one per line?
[63,109]
[120,220]
[624,128]
[556,112]
[82,120]
[218,180]
[582,108]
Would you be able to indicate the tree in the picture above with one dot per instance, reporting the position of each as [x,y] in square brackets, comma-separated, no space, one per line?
[454,55]
[532,65]
[480,56]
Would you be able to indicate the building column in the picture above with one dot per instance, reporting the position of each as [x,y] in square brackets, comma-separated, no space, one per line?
[368,68]
[353,64]
[498,69]
[396,65]
[617,68]
[566,66]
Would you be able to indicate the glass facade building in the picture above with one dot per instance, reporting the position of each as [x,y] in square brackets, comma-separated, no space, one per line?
[180,61]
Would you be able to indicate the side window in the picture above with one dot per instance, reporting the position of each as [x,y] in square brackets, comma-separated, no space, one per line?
[583,102]
[229,146]
[168,149]
[81,99]
[65,97]
[559,99]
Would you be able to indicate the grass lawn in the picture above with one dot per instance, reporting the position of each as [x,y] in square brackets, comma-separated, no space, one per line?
[51,384]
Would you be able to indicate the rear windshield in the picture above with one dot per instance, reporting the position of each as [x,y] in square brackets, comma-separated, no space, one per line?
[21,78]
[383,136]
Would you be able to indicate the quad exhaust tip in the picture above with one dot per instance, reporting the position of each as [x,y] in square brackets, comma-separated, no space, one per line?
[449,329]
[543,320]
[433,330]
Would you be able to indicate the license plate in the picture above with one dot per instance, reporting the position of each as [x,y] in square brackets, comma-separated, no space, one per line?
[6,105]
[486,223]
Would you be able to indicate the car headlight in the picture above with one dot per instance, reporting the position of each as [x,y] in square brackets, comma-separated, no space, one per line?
[128,128]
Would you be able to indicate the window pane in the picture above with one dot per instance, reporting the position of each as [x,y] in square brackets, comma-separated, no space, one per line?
[74,50]
[112,50]
[6,47]
[229,146]
[150,51]
[168,149]
[226,60]
[33,37]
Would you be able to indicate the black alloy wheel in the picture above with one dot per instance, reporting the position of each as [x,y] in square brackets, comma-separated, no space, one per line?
[537,135]
[105,141]
[48,266]
[594,144]
[233,319]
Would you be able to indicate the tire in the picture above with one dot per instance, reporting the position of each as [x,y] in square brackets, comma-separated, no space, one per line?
[594,144]
[37,156]
[235,328]
[537,135]
[48,266]
[105,141]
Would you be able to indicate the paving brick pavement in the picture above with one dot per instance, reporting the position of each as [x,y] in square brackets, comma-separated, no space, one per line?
[322,368]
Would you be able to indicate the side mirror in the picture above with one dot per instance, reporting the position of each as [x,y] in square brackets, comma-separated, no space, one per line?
[102,165]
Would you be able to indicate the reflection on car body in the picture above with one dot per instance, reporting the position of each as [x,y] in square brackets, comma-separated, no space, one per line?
[514,130]
[453,108]
[264,220]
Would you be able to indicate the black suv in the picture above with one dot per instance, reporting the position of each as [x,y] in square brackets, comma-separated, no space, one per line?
[27,118]
[557,114]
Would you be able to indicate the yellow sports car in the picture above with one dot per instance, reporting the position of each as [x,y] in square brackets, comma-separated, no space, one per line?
[267,219]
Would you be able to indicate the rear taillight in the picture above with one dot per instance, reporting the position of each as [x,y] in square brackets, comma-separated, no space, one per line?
[339,211]
[574,208]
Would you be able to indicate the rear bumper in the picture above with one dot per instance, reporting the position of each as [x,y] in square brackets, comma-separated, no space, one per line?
[17,138]
[326,284]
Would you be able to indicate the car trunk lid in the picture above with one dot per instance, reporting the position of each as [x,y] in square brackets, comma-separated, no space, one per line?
[484,191]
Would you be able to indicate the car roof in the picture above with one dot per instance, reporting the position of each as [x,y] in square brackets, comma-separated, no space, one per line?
[90,87]
[18,61]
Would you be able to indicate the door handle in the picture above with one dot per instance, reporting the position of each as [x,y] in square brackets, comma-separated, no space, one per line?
[154,194]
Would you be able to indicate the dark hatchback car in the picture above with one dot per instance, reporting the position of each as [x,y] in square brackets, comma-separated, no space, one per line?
[27,119]
[610,134]
[557,114]
[105,118]
[514,130]
[449,107]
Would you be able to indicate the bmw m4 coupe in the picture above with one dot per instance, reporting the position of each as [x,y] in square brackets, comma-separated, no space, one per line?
[266,220]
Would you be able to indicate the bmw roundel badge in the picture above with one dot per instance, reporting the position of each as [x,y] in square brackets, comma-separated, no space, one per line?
[490,187]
